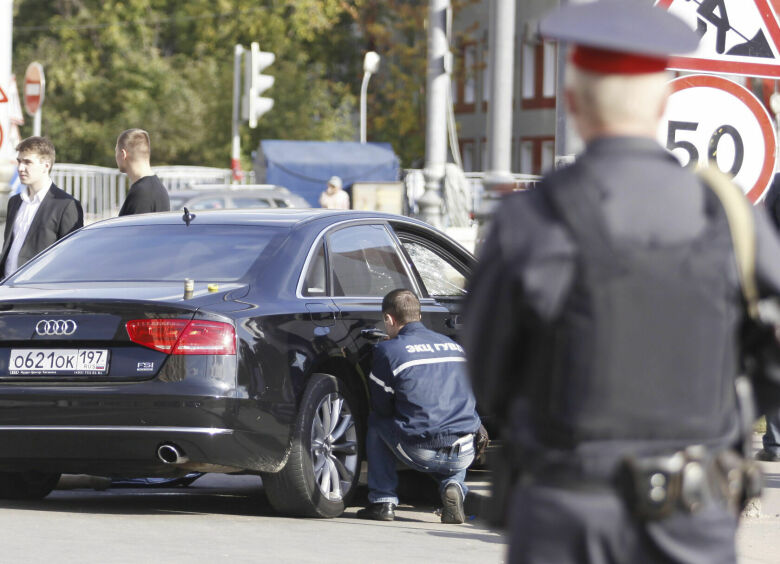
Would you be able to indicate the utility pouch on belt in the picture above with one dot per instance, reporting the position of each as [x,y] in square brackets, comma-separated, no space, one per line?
[651,485]
[687,480]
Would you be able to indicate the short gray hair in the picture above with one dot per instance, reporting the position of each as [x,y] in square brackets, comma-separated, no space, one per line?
[608,99]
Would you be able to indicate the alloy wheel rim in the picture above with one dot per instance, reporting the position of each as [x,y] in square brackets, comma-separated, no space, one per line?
[334,447]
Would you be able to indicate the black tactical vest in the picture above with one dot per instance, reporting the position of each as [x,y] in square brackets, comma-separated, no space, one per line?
[645,347]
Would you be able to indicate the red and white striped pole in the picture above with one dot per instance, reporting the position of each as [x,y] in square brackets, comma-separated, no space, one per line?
[235,149]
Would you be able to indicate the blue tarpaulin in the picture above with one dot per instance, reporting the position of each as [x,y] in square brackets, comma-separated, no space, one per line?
[304,167]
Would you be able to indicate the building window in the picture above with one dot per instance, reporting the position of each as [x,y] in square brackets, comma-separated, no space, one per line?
[467,154]
[537,154]
[465,92]
[539,75]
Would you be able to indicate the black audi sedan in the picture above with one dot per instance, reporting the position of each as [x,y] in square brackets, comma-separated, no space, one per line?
[233,341]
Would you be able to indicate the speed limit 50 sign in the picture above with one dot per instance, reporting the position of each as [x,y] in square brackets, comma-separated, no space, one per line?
[710,118]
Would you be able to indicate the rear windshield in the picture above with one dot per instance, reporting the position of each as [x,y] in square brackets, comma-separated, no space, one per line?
[154,253]
[177,202]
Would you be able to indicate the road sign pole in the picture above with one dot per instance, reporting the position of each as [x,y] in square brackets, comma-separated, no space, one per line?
[235,149]
[34,92]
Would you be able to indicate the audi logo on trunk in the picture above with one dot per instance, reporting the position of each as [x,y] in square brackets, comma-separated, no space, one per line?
[52,327]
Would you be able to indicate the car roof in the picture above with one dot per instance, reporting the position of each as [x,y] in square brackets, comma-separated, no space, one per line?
[291,218]
[262,216]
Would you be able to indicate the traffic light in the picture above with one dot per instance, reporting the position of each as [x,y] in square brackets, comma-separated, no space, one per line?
[254,105]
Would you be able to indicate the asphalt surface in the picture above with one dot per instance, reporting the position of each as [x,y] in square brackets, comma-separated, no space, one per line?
[221,518]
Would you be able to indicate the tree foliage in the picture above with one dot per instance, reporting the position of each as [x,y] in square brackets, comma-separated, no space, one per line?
[167,66]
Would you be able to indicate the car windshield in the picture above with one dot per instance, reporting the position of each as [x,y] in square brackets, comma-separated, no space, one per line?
[153,253]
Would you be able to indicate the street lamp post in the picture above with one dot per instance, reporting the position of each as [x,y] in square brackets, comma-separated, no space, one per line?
[370,66]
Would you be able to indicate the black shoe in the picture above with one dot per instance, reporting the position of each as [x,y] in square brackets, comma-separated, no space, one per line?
[767,456]
[378,512]
[452,499]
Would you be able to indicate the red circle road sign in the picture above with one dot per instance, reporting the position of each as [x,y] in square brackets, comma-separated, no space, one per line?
[710,118]
[34,86]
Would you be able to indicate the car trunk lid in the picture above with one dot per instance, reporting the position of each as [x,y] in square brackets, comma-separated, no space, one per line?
[74,334]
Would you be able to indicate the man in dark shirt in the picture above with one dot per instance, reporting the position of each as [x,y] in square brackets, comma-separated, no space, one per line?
[147,194]
[423,411]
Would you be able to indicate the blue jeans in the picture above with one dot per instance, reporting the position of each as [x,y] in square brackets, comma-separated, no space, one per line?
[385,445]
[771,438]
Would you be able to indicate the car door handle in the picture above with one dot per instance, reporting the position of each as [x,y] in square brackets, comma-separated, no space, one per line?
[373,334]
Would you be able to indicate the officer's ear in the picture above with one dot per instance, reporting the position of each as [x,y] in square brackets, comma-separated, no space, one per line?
[388,319]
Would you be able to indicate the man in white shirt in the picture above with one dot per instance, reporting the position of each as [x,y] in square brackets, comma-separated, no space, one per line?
[40,214]
[334,198]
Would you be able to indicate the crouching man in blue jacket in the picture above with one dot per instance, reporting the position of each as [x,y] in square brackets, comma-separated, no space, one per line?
[423,411]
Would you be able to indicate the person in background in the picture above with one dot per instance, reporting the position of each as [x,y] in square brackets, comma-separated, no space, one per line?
[147,194]
[333,197]
[41,213]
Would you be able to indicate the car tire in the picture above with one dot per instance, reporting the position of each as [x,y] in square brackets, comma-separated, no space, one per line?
[27,485]
[323,448]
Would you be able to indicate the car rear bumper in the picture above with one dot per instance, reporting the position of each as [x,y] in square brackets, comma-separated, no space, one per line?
[114,434]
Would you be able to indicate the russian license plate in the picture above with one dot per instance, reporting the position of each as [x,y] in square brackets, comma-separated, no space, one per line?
[58,361]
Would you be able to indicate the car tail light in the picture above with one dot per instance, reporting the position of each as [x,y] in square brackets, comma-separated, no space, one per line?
[179,336]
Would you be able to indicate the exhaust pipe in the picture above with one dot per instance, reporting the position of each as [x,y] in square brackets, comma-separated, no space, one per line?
[169,453]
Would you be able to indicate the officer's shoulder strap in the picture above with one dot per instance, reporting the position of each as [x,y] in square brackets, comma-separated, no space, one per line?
[741,225]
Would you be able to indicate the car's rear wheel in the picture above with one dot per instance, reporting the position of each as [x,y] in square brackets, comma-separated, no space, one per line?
[27,485]
[322,472]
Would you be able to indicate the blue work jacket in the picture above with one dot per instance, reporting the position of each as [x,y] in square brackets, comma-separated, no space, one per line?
[419,380]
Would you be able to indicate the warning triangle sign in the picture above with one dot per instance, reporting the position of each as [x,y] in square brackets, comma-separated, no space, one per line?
[3,97]
[737,36]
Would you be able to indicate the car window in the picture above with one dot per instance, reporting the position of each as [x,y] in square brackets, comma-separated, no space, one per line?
[315,282]
[440,277]
[153,253]
[281,203]
[208,204]
[250,202]
[364,262]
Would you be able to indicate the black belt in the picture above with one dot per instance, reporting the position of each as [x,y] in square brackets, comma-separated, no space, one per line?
[655,486]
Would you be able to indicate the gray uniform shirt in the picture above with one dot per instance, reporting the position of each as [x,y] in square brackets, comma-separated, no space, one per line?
[528,265]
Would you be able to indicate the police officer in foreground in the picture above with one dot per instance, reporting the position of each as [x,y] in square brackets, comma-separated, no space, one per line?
[771,438]
[423,411]
[602,320]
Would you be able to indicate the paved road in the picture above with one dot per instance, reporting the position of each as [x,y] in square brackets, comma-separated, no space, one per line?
[227,519]
[223,519]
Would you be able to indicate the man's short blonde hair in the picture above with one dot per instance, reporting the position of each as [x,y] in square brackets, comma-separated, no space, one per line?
[136,142]
[606,100]
[40,146]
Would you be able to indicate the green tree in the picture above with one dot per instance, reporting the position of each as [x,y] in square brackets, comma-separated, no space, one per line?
[397,30]
[167,66]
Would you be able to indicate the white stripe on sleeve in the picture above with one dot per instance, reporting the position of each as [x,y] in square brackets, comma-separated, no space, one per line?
[382,385]
[441,360]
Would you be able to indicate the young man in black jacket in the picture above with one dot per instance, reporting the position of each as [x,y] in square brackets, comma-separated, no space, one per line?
[423,411]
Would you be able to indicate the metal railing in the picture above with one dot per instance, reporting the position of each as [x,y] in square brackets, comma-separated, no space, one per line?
[102,190]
